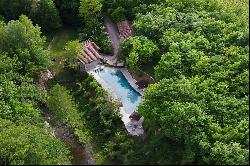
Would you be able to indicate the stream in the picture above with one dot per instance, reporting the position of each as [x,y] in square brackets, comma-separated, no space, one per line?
[81,155]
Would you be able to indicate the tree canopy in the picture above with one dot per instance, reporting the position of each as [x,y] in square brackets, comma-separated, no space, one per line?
[141,50]
[43,12]
[23,135]
[61,104]
[21,40]
[28,144]
[196,111]
[201,98]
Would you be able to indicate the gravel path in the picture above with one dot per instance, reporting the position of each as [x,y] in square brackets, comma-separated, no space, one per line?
[113,34]
[89,155]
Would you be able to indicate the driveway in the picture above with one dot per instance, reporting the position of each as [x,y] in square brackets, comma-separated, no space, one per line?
[113,34]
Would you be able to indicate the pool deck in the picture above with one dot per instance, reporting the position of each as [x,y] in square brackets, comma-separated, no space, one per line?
[134,128]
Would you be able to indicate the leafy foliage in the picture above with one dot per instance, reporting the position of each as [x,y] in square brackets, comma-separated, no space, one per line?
[120,10]
[28,49]
[197,112]
[100,118]
[68,11]
[89,7]
[72,49]
[42,12]
[23,137]
[140,51]
[46,15]
[201,98]
[118,14]
[90,11]
[61,104]
[103,119]
[28,144]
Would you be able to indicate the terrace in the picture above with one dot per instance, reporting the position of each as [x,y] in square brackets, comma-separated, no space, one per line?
[115,79]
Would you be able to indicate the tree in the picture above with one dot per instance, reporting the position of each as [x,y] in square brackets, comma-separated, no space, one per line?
[133,61]
[2,18]
[89,8]
[118,14]
[15,8]
[29,48]
[28,144]
[197,101]
[124,8]
[69,11]
[46,15]
[140,50]
[61,104]
[194,112]
[90,11]
[229,154]
[23,137]
[73,49]
[42,12]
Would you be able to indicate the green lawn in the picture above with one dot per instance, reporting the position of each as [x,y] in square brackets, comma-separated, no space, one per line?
[59,40]
[56,45]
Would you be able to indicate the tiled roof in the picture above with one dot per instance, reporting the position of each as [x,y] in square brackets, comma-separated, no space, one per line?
[89,52]
[125,29]
[135,116]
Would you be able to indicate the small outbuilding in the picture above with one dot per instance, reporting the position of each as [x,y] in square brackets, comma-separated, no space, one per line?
[135,116]
[125,29]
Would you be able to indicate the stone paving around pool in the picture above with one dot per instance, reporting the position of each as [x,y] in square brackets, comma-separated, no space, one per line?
[133,127]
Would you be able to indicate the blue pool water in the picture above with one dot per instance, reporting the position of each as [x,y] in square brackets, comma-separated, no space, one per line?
[129,96]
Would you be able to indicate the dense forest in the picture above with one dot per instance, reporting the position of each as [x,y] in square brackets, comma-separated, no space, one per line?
[196,111]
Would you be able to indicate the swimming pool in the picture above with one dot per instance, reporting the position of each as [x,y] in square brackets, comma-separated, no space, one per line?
[129,97]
